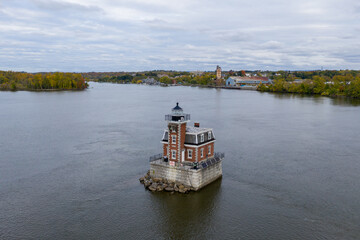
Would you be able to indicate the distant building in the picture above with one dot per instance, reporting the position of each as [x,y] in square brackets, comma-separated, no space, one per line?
[150,81]
[197,73]
[160,75]
[299,81]
[231,81]
[219,77]
[240,81]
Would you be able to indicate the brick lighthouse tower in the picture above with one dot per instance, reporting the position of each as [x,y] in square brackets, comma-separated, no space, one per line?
[174,149]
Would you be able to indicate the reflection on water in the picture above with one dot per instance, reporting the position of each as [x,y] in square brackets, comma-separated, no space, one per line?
[341,101]
[186,211]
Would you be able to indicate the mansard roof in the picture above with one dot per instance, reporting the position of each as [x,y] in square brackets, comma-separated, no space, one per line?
[193,135]
[197,129]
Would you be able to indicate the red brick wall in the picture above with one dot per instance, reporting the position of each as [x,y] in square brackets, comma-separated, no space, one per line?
[182,134]
[182,147]
[205,149]
[181,139]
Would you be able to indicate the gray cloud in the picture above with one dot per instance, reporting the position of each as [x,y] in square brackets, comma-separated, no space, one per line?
[129,35]
[64,6]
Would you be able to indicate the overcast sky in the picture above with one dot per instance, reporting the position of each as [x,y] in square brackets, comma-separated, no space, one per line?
[136,35]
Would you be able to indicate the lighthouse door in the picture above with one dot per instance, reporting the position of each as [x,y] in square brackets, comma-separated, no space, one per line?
[183,155]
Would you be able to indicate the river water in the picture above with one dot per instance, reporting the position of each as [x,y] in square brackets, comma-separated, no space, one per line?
[70,163]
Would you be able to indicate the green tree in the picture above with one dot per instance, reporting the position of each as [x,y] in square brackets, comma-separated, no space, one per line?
[165,79]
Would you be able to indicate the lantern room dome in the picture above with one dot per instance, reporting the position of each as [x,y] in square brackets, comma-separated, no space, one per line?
[177,115]
[177,110]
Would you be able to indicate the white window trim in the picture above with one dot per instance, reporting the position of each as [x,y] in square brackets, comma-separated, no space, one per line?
[189,153]
[202,138]
[209,150]
[173,139]
[201,152]
[209,135]
[173,154]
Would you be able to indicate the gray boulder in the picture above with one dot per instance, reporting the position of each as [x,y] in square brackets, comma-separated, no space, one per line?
[169,189]
[153,187]
[159,188]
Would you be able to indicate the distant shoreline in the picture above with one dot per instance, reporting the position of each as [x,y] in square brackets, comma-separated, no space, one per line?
[41,90]
[248,88]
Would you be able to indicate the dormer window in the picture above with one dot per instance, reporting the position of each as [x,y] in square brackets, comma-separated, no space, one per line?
[209,135]
[201,137]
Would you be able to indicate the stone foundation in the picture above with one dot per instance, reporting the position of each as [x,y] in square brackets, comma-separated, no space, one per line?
[195,178]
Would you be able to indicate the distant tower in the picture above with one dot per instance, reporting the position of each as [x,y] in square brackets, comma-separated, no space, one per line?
[218,76]
[218,72]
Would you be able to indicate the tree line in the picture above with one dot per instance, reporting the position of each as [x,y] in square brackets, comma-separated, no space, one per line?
[338,85]
[165,77]
[41,81]
[127,78]
[205,79]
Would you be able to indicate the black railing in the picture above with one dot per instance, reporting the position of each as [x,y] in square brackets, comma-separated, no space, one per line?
[170,117]
[156,157]
[219,155]
[200,165]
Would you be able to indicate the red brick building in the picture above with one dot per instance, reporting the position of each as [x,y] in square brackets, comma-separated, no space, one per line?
[182,143]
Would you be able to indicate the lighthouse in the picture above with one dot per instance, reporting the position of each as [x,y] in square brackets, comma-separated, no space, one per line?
[188,155]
